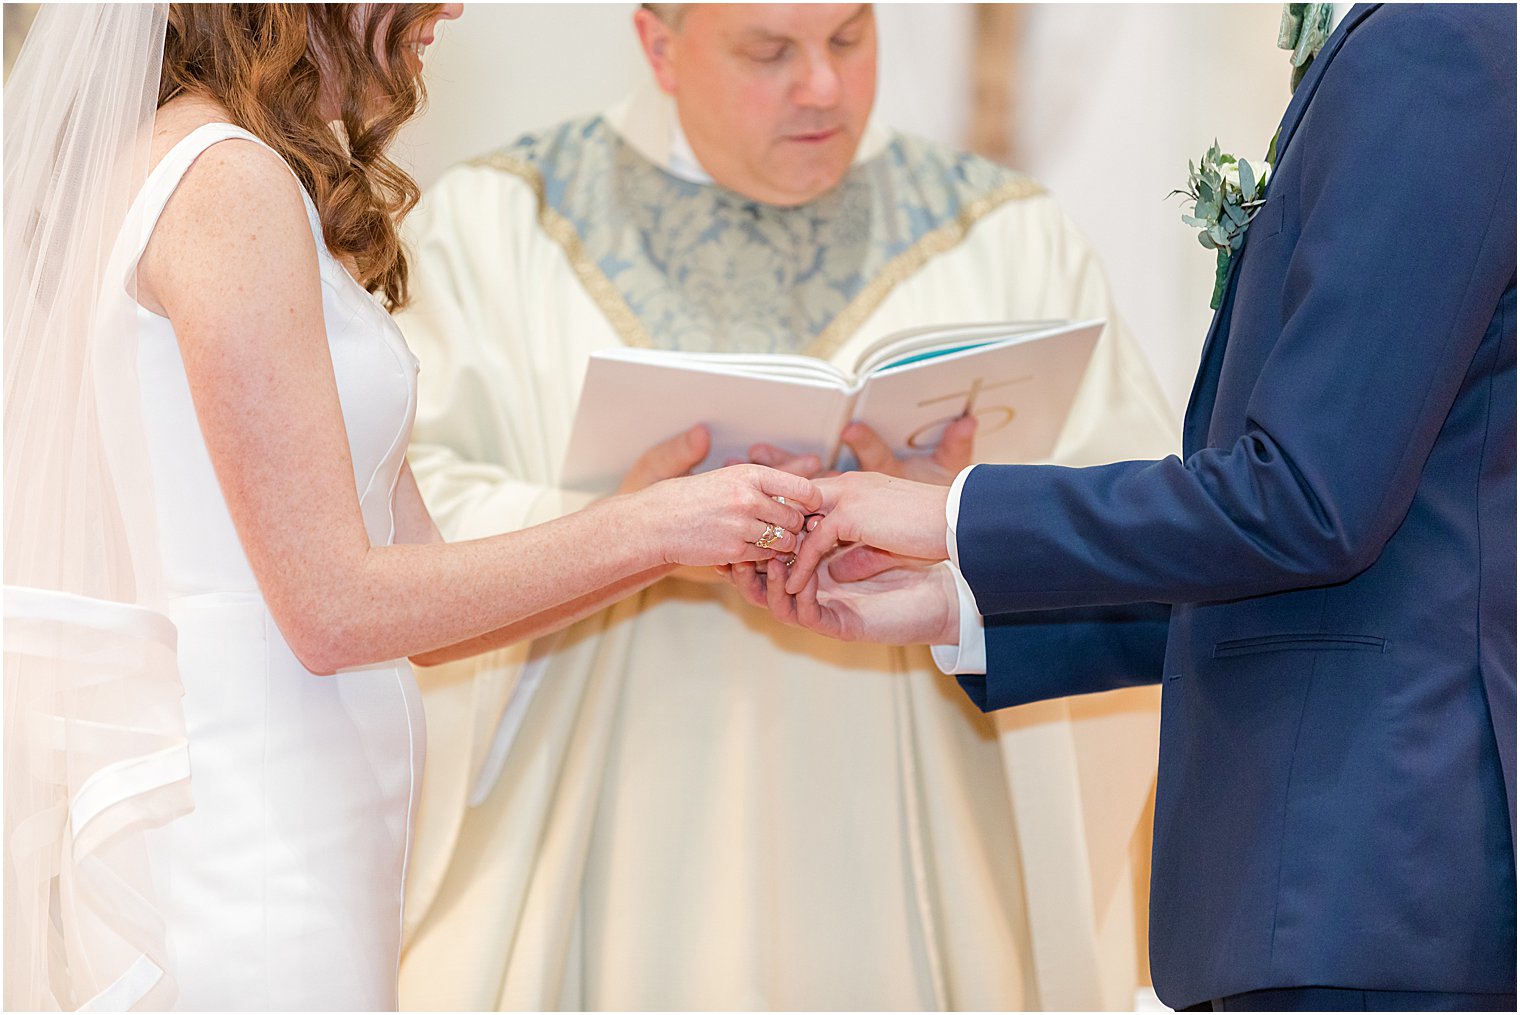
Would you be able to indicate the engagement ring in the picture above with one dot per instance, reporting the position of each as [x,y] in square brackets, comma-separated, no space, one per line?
[769,536]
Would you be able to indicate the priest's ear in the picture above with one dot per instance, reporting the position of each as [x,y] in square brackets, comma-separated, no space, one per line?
[657,28]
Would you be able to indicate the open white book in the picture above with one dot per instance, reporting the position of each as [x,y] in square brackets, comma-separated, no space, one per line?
[1019,379]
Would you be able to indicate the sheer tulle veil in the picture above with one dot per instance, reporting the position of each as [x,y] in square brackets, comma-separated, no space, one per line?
[95,750]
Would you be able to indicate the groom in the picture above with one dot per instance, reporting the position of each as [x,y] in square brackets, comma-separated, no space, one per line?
[1330,568]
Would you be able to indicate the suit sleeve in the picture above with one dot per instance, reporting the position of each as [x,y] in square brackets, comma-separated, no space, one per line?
[1406,242]
[1055,653]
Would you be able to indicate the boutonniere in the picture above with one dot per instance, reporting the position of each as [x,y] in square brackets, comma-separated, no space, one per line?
[1226,193]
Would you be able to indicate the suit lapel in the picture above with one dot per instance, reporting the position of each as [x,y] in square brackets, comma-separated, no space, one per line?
[1306,88]
[1205,385]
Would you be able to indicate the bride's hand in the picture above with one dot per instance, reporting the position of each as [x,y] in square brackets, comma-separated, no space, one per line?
[724,516]
[807,466]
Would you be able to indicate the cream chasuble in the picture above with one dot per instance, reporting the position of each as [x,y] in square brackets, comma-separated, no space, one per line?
[702,809]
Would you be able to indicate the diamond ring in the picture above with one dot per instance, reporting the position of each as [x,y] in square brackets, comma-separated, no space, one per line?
[769,536]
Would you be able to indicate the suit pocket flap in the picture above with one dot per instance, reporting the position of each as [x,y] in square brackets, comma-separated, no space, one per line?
[1300,643]
[1267,222]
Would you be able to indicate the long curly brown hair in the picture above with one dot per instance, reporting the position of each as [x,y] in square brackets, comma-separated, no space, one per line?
[272,65]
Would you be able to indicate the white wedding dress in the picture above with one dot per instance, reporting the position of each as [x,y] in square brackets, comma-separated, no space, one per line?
[282,889]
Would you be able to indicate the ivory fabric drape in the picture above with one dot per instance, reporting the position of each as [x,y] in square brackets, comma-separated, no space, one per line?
[701,809]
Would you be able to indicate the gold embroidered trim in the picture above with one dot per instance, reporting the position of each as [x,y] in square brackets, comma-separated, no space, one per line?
[560,229]
[898,270]
[906,264]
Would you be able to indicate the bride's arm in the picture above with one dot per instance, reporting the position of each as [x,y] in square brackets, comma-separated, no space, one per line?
[415,525]
[233,265]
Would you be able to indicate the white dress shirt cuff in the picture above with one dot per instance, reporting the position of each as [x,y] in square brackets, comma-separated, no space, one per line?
[953,514]
[970,656]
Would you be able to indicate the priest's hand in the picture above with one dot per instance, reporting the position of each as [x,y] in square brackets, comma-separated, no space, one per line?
[950,456]
[896,515]
[668,459]
[941,466]
[806,466]
[861,594]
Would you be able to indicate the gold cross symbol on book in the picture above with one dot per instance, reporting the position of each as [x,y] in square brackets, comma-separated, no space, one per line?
[989,419]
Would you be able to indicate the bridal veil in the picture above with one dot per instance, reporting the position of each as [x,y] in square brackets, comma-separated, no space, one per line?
[95,750]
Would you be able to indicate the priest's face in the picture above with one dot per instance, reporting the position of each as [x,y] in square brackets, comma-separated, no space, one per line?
[774,98]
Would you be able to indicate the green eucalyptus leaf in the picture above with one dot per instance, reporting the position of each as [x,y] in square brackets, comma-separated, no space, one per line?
[1222,209]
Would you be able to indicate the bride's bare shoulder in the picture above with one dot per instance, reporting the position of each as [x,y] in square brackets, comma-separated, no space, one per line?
[237,163]
[238,202]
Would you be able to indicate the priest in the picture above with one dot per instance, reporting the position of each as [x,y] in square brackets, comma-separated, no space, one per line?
[677,804]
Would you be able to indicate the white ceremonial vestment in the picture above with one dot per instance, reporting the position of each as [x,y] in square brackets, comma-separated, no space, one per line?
[703,809]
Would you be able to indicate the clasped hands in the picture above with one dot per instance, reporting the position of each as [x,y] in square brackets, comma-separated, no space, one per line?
[866,564]
[868,567]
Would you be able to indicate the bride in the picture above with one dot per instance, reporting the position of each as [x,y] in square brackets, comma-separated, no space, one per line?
[217,562]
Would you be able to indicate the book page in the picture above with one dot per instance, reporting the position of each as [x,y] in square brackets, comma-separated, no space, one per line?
[758,364]
[629,404]
[1020,392]
[1019,378]
[921,343]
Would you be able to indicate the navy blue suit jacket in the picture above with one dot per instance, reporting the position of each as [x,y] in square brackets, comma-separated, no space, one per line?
[1332,564]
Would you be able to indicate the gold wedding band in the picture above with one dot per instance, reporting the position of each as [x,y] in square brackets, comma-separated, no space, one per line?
[769,536]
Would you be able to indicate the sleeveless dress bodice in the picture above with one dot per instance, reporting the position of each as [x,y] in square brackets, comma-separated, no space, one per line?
[282,889]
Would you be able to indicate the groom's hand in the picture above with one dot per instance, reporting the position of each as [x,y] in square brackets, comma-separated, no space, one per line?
[906,603]
[896,515]
[857,563]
